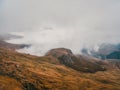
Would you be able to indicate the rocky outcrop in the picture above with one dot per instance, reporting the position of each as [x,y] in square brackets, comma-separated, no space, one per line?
[62,54]
[79,63]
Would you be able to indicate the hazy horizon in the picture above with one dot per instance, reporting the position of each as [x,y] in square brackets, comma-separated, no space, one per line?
[61,23]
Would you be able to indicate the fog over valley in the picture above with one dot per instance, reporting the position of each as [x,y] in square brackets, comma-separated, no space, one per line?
[48,24]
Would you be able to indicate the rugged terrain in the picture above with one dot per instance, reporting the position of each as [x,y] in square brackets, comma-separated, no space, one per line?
[59,69]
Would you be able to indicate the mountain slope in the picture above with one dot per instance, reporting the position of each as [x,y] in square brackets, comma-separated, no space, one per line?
[60,69]
[47,73]
[82,63]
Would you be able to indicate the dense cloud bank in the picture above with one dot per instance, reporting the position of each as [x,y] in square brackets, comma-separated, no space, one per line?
[73,24]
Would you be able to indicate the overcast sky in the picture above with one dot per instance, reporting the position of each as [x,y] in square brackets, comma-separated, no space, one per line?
[61,23]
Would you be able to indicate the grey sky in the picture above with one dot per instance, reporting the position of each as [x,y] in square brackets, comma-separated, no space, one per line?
[78,21]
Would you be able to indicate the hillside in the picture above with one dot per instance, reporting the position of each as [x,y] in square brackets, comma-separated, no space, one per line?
[79,63]
[28,72]
[59,69]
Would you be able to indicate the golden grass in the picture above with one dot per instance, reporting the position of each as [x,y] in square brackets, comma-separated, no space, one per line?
[7,83]
[45,73]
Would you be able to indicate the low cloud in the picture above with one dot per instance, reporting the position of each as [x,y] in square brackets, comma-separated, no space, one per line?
[61,23]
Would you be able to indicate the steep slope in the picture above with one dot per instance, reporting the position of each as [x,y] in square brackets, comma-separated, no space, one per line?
[79,63]
[46,73]
[82,63]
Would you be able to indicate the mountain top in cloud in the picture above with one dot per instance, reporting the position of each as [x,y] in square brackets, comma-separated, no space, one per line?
[75,24]
[104,51]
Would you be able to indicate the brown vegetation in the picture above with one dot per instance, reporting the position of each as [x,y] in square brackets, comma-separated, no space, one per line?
[7,83]
[28,72]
